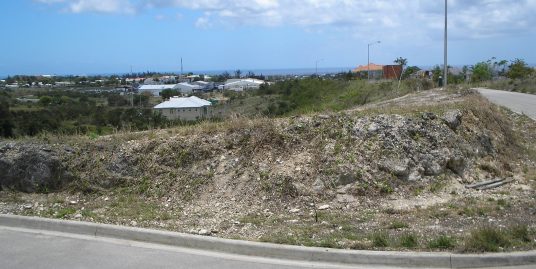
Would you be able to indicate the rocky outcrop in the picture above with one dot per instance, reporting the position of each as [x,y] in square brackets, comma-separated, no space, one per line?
[31,168]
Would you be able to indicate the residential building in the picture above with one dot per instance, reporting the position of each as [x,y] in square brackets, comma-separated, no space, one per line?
[205,85]
[187,88]
[241,84]
[379,71]
[375,70]
[185,108]
[155,89]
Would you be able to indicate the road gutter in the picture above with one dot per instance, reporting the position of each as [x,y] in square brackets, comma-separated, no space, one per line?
[268,250]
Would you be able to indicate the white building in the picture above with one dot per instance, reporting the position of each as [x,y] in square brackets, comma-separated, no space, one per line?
[205,85]
[185,108]
[155,89]
[187,88]
[241,84]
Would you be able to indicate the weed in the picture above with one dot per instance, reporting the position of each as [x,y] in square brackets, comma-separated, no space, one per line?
[62,213]
[520,232]
[253,219]
[143,186]
[380,239]
[442,242]
[384,187]
[88,213]
[398,225]
[436,186]
[409,240]
[503,203]
[486,239]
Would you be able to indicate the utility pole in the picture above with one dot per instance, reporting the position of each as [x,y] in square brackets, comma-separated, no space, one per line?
[445,65]
[316,66]
[180,77]
[368,58]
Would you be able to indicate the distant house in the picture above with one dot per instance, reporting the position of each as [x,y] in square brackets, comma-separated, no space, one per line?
[155,89]
[380,71]
[187,88]
[241,84]
[205,85]
[185,108]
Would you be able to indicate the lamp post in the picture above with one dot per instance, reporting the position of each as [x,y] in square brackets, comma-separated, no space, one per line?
[445,65]
[316,66]
[368,57]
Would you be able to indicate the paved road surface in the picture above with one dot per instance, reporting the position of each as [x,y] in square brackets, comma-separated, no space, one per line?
[22,249]
[517,102]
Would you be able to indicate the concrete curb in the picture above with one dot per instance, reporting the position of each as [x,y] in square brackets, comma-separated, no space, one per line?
[267,250]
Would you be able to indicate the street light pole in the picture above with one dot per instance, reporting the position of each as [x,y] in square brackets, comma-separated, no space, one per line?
[445,66]
[368,58]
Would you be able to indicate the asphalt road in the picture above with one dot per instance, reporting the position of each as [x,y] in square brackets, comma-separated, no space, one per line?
[22,249]
[517,102]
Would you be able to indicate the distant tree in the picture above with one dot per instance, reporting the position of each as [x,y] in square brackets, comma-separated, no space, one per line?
[168,93]
[116,100]
[402,62]
[519,69]
[238,73]
[482,71]
[410,71]
[436,73]
[6,123]
[45,100]
[250,74]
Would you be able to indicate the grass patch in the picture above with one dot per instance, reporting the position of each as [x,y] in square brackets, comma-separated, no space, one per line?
[442,242]
[521,233]
[486,239]
[131,206]
[380,239]
[398,225]
[62,213]
[409,240]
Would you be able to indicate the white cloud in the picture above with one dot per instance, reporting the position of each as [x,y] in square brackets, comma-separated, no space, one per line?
[99,6]
[418,19]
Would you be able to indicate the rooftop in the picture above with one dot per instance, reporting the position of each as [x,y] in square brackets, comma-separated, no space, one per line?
[157,87]
[183,102]
[371,67]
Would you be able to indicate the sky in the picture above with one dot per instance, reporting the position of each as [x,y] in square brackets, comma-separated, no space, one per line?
[114,36]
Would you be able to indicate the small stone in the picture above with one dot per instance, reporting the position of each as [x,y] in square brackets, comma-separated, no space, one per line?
[106,199]
[78,216]
[203,232]
[293,221]
[294,210]
[73,202]
[133,223]
[323,207]
[28,206]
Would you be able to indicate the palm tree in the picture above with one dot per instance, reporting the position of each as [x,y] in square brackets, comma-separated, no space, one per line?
[402,62]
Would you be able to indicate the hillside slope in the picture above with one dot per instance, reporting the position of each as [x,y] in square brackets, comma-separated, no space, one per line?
[392,170]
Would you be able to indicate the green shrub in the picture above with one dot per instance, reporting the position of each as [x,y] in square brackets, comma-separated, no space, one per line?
[520,232]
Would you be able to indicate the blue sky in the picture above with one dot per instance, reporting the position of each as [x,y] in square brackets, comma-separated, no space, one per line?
[110,36]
